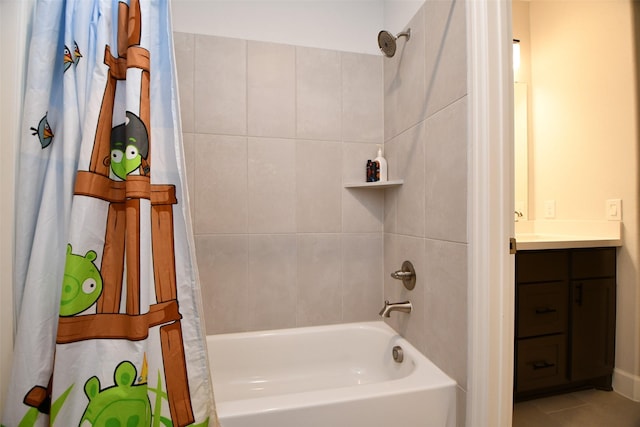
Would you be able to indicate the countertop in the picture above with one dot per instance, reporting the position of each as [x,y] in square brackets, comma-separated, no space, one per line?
[536,235]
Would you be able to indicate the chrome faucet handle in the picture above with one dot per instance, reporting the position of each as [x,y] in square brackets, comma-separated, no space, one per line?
[407,275]
[401,275]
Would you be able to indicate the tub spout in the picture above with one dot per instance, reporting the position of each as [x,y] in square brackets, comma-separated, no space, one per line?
[405,307]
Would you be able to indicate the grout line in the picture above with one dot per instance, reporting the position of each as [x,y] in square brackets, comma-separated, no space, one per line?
[569,408]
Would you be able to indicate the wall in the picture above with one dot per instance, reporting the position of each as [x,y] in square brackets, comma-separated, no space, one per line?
[281,243]
[14,26]
[583,68]
[438,107]
[583,144]
[426,219]
[396,13]
[346,25]
[358,211]
[270,141]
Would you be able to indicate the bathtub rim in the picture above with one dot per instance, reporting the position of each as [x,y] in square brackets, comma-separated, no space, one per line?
[426,376]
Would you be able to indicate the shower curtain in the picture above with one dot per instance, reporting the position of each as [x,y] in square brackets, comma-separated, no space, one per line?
[108,310]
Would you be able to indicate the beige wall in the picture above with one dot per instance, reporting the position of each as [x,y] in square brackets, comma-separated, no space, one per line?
[584,113]
[584,137]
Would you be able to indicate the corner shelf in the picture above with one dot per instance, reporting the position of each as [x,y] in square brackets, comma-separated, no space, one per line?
[377,184]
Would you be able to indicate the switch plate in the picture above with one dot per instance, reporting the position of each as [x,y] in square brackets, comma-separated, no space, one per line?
[549,208]
[614,209]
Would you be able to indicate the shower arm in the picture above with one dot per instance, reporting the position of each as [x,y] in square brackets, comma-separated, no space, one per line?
[406,34]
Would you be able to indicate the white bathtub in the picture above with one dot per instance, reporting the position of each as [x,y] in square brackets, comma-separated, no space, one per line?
[327,376]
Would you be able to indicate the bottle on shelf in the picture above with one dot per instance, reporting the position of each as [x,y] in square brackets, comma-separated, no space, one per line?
[382,165]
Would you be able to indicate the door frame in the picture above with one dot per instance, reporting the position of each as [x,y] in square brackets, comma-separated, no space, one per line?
[490,214]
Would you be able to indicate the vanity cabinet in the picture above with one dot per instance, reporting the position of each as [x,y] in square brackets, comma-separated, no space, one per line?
[565,320]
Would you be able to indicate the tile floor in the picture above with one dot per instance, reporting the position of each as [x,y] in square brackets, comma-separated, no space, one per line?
[587,408]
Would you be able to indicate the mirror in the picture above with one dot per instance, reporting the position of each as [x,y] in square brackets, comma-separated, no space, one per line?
[520,152]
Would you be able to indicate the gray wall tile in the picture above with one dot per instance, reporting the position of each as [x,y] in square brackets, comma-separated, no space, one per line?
[224,279]
[272,281]
[271,90]
[220,100]
[220,187]
[362,266]
[446,180]
[318,94]
[446,54]
[319,187]
[319,279]
[272,185]
[446,307]
[362,98]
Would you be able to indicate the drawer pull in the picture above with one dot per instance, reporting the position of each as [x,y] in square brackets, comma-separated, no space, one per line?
[542,365]
[546,310]
[579,294]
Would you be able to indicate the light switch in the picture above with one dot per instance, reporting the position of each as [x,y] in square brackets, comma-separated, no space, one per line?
[614,209]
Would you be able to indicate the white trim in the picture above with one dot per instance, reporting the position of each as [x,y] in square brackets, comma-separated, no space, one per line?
[626,384]
[491,272]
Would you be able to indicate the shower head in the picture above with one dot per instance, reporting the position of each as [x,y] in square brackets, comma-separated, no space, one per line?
[387,41]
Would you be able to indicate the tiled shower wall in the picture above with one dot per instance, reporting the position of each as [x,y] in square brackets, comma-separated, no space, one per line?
[271,132]
[425,220]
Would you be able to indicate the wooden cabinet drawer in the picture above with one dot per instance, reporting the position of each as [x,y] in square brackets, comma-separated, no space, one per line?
[542,308]
[542,266]
[541,362]
[592,263]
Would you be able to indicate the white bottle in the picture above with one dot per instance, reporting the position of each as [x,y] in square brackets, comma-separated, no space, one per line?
[382,164]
